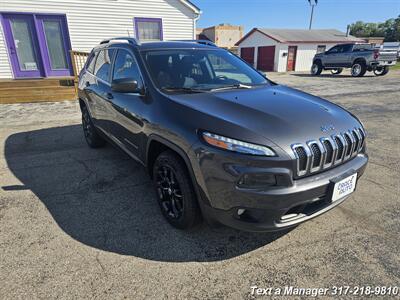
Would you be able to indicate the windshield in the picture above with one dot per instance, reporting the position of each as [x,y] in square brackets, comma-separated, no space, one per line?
[186,70]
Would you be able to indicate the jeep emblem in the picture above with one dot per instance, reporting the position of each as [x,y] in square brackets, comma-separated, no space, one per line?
[326,128]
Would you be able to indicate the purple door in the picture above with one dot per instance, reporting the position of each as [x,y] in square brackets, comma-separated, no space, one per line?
[23,47]
[38,45]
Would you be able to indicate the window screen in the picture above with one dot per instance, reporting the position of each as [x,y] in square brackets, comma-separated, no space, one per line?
[321,48]
[148,29]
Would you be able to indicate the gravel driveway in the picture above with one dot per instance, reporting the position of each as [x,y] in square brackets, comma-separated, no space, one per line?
[83,223]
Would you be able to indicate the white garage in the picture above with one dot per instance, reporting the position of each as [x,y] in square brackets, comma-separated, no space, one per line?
[284,50]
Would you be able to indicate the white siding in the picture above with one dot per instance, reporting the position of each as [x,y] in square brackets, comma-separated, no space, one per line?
[305,52]
[304,57]
[90,21]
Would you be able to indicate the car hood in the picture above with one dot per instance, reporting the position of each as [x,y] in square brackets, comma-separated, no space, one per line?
[281,114]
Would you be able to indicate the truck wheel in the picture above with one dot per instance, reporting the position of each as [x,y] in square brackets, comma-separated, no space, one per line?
[93,139]
[316,68]
[381,71]
[358,69]
[337,71]
[175,192]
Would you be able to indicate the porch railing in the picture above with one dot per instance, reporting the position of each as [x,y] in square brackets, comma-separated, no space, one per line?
[78,59]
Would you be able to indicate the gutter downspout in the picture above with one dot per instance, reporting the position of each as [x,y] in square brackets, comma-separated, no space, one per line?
[194,24]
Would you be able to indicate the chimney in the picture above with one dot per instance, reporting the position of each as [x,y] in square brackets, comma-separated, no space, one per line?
[348,30]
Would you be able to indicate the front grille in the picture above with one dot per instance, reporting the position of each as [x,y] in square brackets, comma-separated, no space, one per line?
[302,156]
[318,155]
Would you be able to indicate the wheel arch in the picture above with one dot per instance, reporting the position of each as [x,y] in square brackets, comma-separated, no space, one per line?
[156,145]
[360,60]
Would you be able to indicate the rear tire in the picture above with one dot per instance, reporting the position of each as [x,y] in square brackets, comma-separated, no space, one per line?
[316,68]
[93,139]
[382,71]
[358,69]
[336,71]
[175,193]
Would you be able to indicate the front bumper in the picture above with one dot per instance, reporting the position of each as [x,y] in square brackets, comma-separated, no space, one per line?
[291,202]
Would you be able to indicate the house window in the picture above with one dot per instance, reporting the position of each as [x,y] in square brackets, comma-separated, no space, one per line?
[321,48]
[148,29]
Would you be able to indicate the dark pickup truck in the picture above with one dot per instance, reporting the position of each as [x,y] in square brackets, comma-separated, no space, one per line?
[359,57]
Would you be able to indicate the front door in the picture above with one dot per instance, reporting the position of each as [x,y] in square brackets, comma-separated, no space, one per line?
[291,61]
[23,46]
[37,45]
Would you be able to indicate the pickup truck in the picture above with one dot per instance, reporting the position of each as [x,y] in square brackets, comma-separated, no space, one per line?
[359,57]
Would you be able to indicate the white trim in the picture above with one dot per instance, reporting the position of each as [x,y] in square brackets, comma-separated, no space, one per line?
[191,6]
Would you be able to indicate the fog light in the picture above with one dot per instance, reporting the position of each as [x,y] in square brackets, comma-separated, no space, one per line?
[240,211]
[257,180]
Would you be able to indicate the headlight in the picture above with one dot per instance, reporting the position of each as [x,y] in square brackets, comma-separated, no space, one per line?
[236,146]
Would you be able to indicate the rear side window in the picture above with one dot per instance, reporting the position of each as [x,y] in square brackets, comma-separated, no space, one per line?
[103,64]
[91,62]
[125,66]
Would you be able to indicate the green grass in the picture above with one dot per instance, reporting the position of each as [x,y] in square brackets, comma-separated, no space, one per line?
[396,67]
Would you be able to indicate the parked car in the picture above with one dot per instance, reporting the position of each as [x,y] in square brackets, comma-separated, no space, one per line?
[359,57]
[219,139]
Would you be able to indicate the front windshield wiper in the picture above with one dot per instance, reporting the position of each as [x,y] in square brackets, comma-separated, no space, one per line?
[232,86]
[181,89]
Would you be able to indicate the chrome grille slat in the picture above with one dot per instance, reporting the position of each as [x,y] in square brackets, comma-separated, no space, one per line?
[316,155]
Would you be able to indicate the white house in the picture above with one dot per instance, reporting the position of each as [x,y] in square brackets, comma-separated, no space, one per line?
[36,35]
[284,50]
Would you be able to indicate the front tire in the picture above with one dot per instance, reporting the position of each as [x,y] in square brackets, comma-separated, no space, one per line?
[316,68]
[336,71]
[382,71]
[175,193]
[93,139]
[358,69]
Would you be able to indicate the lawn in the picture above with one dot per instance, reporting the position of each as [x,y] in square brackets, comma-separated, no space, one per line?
[396,67]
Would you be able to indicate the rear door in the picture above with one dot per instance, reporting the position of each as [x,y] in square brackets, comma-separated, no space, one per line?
[128,109]
[101,89]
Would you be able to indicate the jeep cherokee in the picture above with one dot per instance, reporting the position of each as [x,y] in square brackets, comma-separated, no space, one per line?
[220,140]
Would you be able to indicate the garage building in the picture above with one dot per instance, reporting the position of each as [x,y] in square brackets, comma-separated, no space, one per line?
[284,50]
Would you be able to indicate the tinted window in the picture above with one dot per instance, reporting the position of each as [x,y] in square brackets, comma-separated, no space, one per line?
[347,48]
[335,49]
[199,69]
[103,64]
[125,66]
[91,62]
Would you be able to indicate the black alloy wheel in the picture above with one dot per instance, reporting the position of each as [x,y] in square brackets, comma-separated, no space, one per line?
[175,192]
[169,192]
[93,139]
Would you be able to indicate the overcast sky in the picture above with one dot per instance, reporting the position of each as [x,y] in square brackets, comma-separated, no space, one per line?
[295,13]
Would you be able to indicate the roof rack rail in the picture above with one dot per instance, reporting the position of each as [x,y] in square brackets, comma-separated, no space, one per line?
[203,42]
[130,40]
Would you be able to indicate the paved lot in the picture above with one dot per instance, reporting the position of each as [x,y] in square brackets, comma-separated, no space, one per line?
[77,223]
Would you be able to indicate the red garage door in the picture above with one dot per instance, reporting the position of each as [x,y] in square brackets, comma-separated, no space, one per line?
[265,59]
[247,54]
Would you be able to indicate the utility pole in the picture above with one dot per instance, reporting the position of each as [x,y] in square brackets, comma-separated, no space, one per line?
[312,4]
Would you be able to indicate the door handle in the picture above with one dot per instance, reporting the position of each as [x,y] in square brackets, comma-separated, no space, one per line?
[109,96]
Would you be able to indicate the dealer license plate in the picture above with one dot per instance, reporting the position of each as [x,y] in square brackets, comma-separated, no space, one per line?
[344,187]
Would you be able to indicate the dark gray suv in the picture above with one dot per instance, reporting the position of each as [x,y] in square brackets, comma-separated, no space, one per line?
[220,141]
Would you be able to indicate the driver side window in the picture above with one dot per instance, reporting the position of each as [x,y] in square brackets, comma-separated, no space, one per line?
[125,66]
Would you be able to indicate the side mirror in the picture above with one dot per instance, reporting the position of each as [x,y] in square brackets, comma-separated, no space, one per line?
[126,85]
